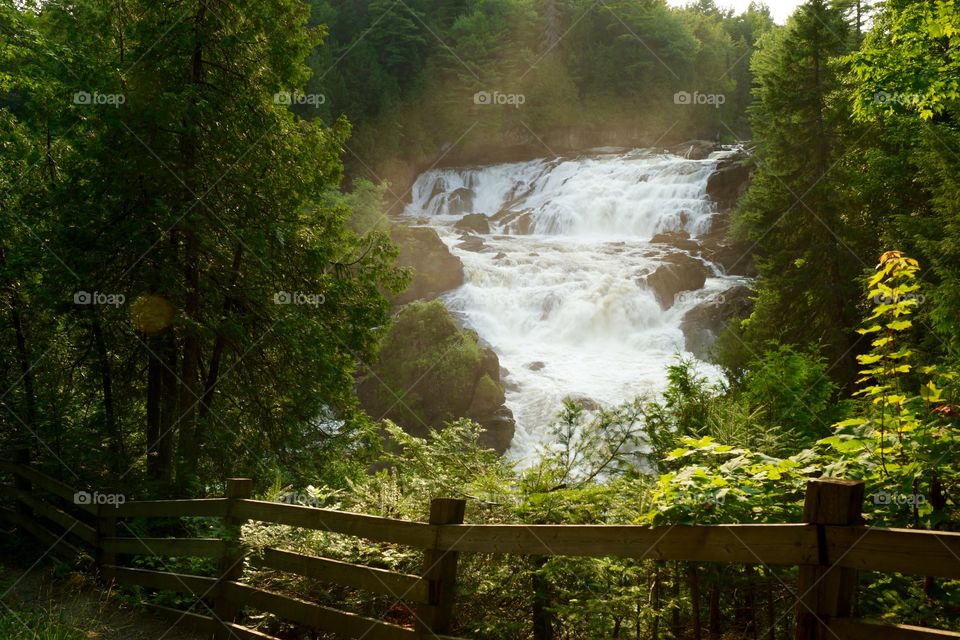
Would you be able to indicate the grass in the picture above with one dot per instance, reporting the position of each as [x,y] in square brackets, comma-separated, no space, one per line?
[35,624]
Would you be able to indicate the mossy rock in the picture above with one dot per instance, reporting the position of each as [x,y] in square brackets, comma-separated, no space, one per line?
[435,269]
[488,396]
[430,372]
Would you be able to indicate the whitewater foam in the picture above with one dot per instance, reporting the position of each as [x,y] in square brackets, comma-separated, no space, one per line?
[565,305]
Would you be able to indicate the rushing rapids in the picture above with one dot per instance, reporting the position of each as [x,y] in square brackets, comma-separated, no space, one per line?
[557,267]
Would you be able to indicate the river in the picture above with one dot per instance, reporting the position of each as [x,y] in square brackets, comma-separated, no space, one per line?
[556,284]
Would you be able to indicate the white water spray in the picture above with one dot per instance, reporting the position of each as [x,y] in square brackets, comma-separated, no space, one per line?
[558,290]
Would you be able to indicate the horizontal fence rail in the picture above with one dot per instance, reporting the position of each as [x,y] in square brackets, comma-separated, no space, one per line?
[909,551]
[829,547]
[389,583]
[775,544]
[413,534]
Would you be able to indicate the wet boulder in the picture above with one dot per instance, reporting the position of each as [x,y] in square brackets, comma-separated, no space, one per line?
[678,273]
[460,201]
[729,182]
[436,270]
[471,243]
[694,149]
[735,257]
[516,222]
[585,402]
[473,223]
[704,323]
[678,240]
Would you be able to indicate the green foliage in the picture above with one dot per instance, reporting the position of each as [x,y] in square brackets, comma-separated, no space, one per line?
[36,624]
[794,391]
[198,200]
[406,75]
[719,483]
[429,371]
[938,236]
[910,62]
[903,441]
[365,204]
[794,209]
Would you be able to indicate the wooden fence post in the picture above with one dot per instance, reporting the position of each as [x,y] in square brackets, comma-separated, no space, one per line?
[440,569]
[826,591]
[231,564]
[106,528]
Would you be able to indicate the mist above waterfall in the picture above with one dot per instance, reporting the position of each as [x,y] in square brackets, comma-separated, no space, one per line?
[634,194]
[555,276]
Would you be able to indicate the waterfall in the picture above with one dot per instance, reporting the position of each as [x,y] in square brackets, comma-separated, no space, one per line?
[557,286]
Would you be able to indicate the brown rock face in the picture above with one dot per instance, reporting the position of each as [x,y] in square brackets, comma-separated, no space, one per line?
[677,239]
[679,273]
[703,324]
[436,270]
[473,222]
[694,149]
[729,182]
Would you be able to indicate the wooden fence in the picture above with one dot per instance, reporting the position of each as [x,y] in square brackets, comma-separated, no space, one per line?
[829,547]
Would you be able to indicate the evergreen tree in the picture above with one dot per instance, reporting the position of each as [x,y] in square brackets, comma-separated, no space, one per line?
[794,209]
[192,192]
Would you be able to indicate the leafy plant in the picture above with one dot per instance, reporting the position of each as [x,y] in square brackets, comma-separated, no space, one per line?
[903,439]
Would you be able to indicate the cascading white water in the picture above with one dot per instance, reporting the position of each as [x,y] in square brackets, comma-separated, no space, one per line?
[557,289]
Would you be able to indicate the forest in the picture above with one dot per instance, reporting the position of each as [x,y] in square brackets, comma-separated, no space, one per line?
[228,249]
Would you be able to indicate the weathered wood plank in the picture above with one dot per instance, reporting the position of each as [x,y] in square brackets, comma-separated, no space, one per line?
[57,542]
[212,507]
[855,629]
[230,566]
[245,633]
[199,586]
[205,624]
[319,617]
[401,586]
[440,569]
[45,482]
[777,544]
[199,547]
[910,551]
[182,619]
[61,518]
[415,534]
[826,591]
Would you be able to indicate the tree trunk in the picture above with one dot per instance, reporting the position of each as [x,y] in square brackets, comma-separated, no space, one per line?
[542,617]
[26,368]
[154,394]
[771,610]
[656,601]
[188,451]
[695,600]
[168,404]
[115,438]
[675,627]
[216,360]
[714,623]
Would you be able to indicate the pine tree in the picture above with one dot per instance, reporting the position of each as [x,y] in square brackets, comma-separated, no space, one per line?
[794,209]
[188,187]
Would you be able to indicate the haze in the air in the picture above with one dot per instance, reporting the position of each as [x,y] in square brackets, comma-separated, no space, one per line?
[779,9]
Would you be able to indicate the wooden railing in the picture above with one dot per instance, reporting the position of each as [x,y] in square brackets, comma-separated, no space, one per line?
[829,547]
